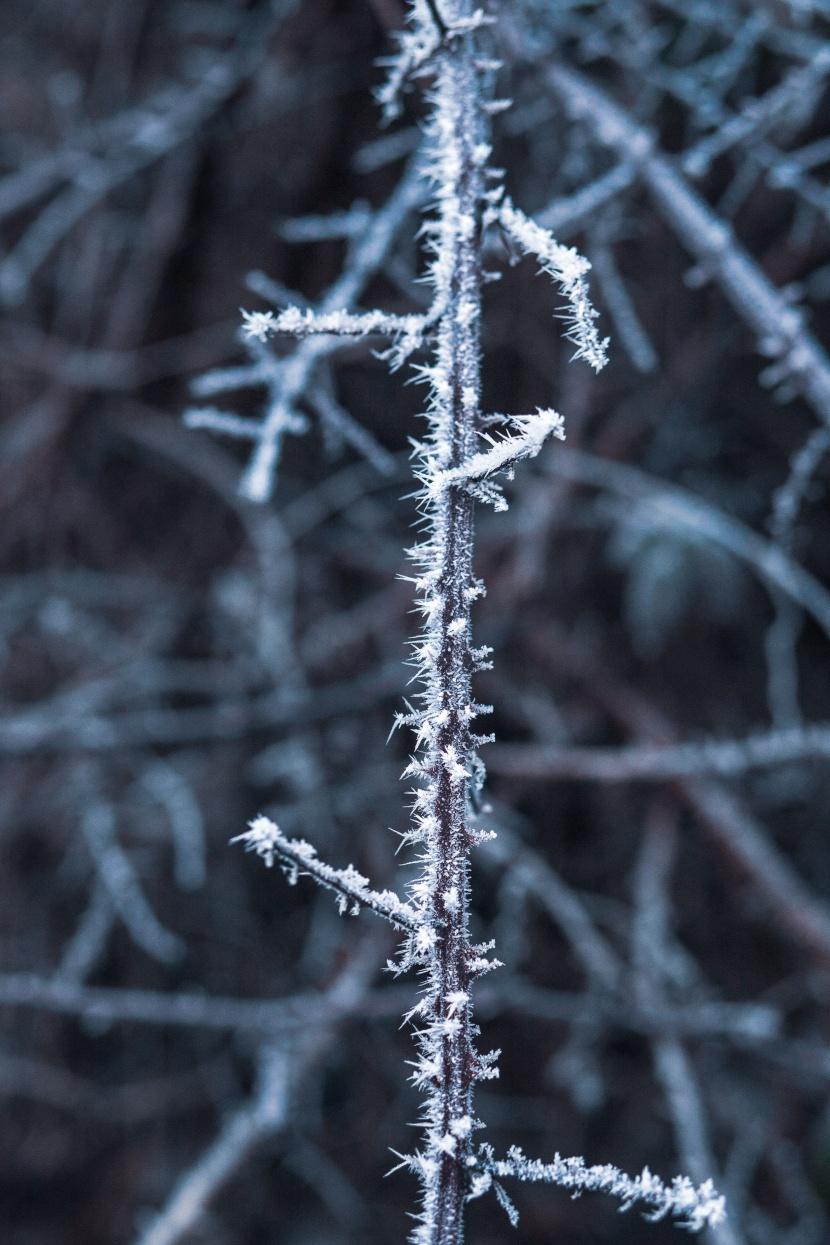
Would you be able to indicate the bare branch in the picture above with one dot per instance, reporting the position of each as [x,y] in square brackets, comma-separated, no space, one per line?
[123,887]
[656,763]
[266,1114]
[670,508]
[779,327]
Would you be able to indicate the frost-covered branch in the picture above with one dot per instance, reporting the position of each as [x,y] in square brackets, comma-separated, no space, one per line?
[693,1207]
[453,471]
[299,858]
[296,322]
[287,380]
[504,453]
[569,269]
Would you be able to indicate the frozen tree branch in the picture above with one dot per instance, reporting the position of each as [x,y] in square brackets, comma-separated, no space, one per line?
[299,858]
[475,472]
[453,472]
[568,268]
[693,1207]
[288,379]
[294,322]
[208,646]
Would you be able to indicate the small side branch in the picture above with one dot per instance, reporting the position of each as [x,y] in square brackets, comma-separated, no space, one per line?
[352,889]
[505,452]
[694,1207]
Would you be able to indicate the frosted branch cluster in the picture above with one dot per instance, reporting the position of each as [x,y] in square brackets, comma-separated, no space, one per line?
[454,471]
[222,645]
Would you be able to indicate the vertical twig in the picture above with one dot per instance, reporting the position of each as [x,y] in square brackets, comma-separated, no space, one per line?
[449,1064]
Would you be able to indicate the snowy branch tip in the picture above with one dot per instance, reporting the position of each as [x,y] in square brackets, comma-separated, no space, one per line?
[695,1207]
[532,431]
[299,858]
[568,268]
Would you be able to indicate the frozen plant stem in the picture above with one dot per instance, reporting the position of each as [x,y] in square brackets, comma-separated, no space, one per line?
[449,1065]
[455,465]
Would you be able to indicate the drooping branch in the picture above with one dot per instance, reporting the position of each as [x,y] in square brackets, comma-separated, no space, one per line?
[568,268]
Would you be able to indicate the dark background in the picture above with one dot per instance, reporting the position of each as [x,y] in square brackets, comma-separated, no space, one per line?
[174,660]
